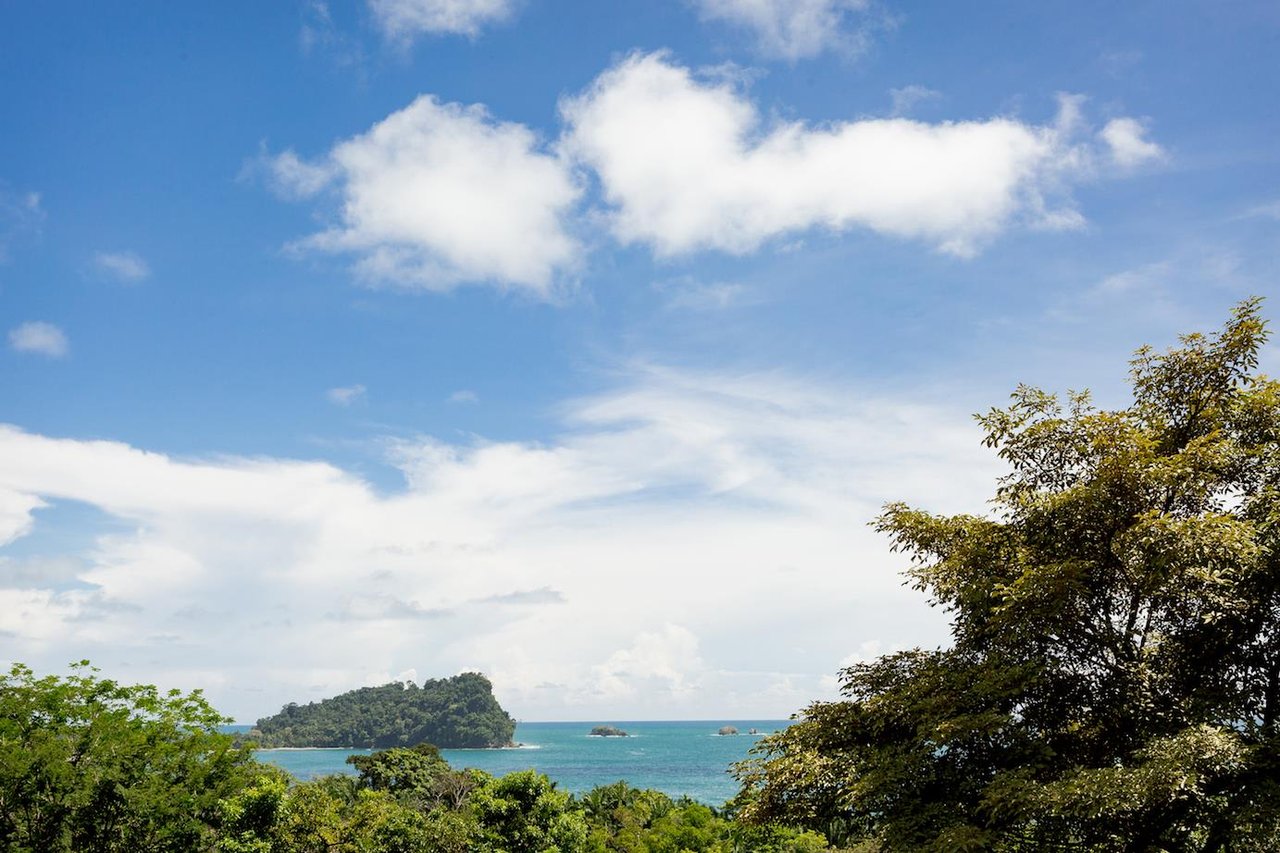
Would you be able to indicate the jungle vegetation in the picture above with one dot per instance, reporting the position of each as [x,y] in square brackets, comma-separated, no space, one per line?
[1112,684]
[451,713]
[91,766]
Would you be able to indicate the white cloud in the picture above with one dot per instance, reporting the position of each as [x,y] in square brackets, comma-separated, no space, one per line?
[345,396]
[690,294]
[440,194]
[404,20]
[668,656]
[867,652]
[1143,281]
[37,571]
[320,34]
[20,215]
[689,165]
[16,514]
[464,396]
[292,178]
[647,558]
[1150,298]
[906,97]
[1127,142]
[128,267]
[39,338]
[793,29]
[1264,211]
[318,29]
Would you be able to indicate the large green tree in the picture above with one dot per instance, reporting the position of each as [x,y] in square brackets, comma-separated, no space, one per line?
[87,764]
[1114,676]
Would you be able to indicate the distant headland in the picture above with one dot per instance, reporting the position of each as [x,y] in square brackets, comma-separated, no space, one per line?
[451,713]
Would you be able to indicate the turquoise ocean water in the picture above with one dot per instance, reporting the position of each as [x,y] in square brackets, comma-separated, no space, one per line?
[684,758]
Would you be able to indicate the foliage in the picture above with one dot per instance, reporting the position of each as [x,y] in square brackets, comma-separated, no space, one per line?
[523,811]
[1114,677]
[455,712]
[635,820]
[89,764]
[401,770]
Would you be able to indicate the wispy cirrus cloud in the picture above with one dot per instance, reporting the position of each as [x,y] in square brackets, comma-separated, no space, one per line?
[691,294]
[1270,210]
[404,20]
[795,29]
[21,215]
[464,396]
[345,395]
[124,266]
[541,595]
[319,33]
[905,98]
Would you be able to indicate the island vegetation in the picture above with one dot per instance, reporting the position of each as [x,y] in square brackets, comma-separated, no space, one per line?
[607,731]
[727,730]
[1113,684]
[451,713]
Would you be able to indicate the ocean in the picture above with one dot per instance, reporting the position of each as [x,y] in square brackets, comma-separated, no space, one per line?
[683,758]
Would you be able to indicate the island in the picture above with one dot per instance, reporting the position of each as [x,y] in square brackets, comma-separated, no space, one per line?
[452,713]
[727,730]
[608,731]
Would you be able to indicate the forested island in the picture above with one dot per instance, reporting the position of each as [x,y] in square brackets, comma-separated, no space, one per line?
[608,731]
[452,713]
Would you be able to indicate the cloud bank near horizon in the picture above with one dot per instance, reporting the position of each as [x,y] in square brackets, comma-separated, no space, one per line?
[689,544]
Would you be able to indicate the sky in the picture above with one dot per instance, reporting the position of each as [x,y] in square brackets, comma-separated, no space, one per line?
[576,343]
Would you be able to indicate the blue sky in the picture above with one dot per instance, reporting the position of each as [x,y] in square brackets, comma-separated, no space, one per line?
[574,342]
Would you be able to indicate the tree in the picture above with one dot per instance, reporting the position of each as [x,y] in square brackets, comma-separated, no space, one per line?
[400,770]
[522,812]
[90,764]
[1113,680]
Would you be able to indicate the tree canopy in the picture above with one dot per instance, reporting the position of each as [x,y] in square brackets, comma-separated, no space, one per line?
[90,764]
[87,764]
[457,712]
[1113,680]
